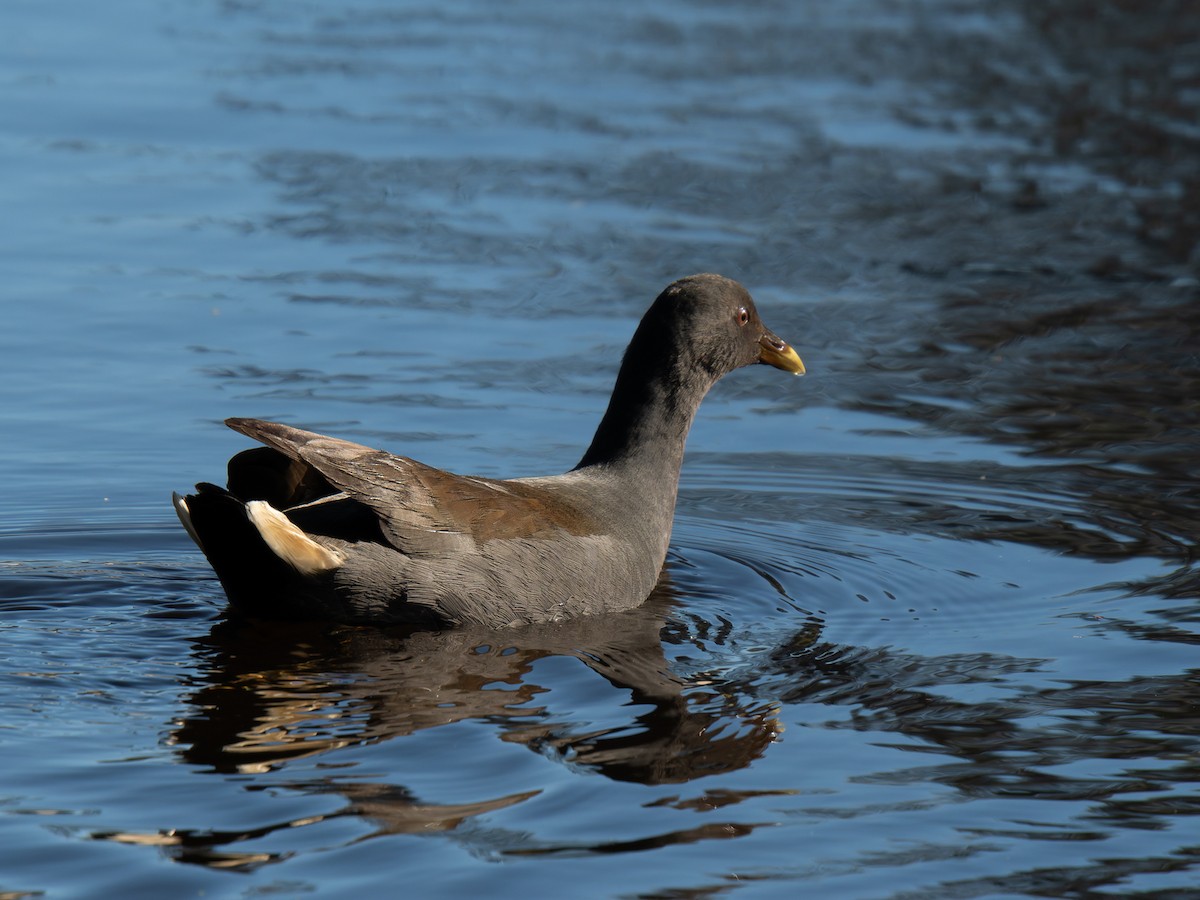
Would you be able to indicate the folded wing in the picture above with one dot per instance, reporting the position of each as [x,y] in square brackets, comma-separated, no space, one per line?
[421,508]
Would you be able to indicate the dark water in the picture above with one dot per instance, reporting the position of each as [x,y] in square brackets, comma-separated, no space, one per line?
[929,625]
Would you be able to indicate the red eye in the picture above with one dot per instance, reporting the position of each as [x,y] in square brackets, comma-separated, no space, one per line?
[743,317]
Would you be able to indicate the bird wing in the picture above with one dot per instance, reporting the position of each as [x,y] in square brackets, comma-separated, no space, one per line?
[421,508]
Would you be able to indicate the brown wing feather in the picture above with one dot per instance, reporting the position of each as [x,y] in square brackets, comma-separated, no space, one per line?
[414,502]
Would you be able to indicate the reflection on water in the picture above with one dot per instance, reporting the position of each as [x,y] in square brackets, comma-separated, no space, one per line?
[271,695]
[390,809]
[274,695]
[931,622]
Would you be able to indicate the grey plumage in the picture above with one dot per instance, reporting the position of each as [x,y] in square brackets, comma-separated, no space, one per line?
[367,536]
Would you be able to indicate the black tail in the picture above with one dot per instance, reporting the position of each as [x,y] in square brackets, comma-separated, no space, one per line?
[257,582]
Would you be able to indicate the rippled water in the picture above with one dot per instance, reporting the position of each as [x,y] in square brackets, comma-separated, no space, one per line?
[929,625]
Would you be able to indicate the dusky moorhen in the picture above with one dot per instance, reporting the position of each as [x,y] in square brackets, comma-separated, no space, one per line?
[313,527]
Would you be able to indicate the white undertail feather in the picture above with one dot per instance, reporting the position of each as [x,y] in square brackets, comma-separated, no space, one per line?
[289,543]
[185,516]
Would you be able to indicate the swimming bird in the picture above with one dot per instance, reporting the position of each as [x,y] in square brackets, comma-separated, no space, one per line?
[314,527]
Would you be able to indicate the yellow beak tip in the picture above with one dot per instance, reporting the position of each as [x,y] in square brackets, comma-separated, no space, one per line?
[786,359]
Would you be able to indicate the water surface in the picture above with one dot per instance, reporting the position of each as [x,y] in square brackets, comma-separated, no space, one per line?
[928,625]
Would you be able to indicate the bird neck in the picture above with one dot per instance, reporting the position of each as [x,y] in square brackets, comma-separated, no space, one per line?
[648,418]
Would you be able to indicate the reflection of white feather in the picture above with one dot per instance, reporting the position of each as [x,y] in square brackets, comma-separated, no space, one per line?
[289,543]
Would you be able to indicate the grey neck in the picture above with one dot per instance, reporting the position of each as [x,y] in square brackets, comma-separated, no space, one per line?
[644,430]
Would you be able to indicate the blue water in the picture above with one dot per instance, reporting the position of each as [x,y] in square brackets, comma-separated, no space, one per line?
[929,624]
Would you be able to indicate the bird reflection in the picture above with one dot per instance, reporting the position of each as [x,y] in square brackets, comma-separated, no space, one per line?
[393,810]
[275,693]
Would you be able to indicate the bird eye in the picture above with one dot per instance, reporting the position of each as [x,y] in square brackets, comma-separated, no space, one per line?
[742,316]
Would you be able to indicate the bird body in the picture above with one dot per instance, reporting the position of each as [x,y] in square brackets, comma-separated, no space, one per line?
[314,527]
